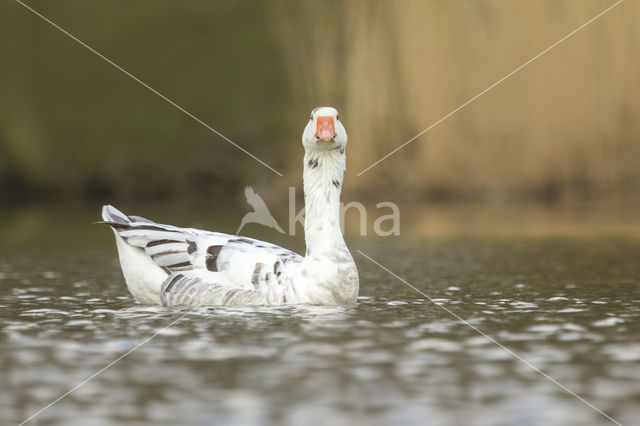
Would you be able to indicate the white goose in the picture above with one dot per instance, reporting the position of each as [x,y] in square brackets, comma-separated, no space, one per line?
[173,266]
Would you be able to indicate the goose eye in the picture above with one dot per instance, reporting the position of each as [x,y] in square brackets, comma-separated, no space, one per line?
[311,118]
[338,117]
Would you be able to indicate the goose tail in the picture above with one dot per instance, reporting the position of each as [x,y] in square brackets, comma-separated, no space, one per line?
[114,217]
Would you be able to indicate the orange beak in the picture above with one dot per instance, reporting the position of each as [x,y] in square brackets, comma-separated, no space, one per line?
[325,130]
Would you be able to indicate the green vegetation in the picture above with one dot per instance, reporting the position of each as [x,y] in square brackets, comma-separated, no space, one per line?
[71,124]
[564,127]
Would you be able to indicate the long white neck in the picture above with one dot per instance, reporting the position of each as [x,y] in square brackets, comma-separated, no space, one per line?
[323,174]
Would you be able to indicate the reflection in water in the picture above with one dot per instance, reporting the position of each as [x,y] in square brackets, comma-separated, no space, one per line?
[570,308]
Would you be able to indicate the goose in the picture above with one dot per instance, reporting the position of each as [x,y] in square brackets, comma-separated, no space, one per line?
[171,266]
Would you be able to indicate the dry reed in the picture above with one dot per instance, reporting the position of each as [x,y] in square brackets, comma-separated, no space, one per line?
[564,126]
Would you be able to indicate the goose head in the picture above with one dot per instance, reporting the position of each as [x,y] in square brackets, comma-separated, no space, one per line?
[324,131]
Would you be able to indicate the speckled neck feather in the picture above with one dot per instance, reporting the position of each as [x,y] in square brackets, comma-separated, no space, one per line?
[323,174]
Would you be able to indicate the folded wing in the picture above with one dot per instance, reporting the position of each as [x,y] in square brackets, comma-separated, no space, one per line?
[211,257]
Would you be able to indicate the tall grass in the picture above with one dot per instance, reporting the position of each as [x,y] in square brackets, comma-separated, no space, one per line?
[564,126]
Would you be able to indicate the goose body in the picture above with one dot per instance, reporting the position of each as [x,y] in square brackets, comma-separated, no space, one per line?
[172,266]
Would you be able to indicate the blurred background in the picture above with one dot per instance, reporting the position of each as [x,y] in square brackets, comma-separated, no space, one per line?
[553,149]
[519,213]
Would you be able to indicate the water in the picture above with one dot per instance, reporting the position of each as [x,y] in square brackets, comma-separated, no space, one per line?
[571,308]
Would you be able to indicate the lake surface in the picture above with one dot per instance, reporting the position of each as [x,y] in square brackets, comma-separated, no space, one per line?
[569,307]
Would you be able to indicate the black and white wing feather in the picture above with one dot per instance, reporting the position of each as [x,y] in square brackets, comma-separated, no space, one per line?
[209,258]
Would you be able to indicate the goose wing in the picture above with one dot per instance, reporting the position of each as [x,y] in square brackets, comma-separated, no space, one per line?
[212,257]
